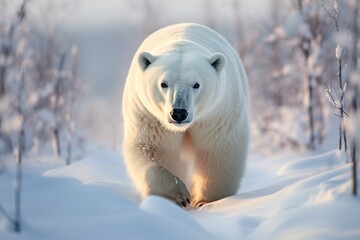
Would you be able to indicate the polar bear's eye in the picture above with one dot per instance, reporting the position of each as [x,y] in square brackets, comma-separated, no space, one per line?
[164,85]
[196,85]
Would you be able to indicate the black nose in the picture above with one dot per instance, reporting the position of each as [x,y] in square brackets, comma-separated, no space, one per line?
[179,115]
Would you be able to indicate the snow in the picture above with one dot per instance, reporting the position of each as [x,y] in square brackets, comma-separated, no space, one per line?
[284,197]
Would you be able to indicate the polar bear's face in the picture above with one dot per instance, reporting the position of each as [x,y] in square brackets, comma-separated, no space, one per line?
[178,89]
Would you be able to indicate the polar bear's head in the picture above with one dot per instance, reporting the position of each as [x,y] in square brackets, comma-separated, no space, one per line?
[180,88]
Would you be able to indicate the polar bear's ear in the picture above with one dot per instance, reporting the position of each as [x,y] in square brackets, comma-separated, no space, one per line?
[218,61]
[145,59]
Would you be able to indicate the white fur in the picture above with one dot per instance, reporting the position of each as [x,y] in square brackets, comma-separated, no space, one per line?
[208,151]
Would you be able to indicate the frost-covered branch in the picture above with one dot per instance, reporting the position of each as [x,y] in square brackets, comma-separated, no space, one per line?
[20,106]
[18,186]
[336,103]
[310,46]
[73,91]
[334,14]
[7,47]
[339,103]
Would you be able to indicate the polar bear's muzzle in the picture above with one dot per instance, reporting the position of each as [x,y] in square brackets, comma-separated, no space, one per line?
[179,115]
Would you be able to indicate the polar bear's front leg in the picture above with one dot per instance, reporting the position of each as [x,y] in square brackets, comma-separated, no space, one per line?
[217,174]
[144,164]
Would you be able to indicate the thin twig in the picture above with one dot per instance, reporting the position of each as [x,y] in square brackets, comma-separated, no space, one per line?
[6,215]
[334,17]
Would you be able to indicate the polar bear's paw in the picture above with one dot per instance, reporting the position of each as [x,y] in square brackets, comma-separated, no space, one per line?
[179,194]
[167,185]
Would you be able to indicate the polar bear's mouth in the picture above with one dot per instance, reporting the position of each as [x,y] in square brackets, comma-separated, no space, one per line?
[172,121]
[179,123]
[178,126]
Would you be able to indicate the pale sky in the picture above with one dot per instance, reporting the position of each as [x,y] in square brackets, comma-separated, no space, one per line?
[107,12]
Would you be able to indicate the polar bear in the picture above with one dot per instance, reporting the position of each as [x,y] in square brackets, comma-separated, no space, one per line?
[185,111]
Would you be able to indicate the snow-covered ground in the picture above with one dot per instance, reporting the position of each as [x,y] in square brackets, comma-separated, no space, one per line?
[286,197]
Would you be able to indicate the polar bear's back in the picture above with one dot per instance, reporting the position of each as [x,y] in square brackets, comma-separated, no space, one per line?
[195,33]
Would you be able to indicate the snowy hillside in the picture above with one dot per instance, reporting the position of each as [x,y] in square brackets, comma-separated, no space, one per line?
[281,198]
